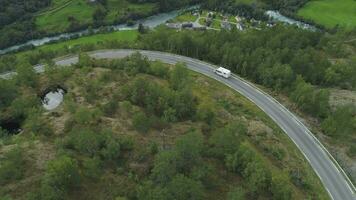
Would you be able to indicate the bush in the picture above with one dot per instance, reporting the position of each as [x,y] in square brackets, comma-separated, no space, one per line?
[111,147]
[280,187]
[37,125]
[85,116]
[62,174]
[141,122]
[179,77]
[236,194]
[189,148]
[85,141]
[8,92]
[110,108]
[182,188]
[12,166]
[92,167]
[225,141]
[159,69]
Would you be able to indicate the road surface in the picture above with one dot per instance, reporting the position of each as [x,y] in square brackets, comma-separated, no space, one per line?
[330,173]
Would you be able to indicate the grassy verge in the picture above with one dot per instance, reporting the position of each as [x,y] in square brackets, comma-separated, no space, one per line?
[330,13]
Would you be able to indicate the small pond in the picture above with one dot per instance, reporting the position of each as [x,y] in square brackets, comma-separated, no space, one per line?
[53,98]
[11,126]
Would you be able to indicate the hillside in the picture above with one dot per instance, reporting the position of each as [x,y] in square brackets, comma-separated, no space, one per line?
[133,129]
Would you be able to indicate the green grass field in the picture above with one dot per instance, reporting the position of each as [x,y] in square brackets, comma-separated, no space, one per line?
[58,20]
[127,36]
[55,18]
[331,13]
[186,17]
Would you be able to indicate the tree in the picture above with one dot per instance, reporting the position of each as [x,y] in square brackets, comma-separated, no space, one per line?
[8,92]
[99,15]
[26,75]
[237,193]
[179,77]
[315,102]
[280,187]
[341,123]
[183,188]
[165,167]
[141,28]
[112,148]
[189,148]
[226,141]
[61,175]
[85,141]
[141,122]
[12,165]
[85,116]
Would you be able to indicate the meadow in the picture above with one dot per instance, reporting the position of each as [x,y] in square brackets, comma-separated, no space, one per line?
[331,13]
[57,17]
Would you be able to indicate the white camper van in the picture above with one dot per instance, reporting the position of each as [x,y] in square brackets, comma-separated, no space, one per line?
[223,72]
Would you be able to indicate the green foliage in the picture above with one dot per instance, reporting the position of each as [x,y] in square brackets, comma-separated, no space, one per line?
[315,102]
[179,77]
[182,188]
[165,167]
[141,122]
[159,69]
[189,148]
[8,92]
[162,101]
[26,75]
[85,141]
[206,113]
[148,191]
[226,141]
[341,123]
[12,165]
[252,168]
[111,148]
[85,116]
[62,174]
[279,77]
[110,108]
[92,168]
[36,124]
[280,187]
[22,106]
[237,193]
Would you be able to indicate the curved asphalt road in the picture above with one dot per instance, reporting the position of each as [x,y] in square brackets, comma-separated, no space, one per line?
[332,176]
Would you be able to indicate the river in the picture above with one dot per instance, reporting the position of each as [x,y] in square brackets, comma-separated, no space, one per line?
[150,22]
[275,15]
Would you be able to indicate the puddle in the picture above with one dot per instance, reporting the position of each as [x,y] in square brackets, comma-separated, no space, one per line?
[53,98]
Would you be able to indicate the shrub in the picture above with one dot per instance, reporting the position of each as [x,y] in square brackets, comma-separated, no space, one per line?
[236,194]
[226,140]
[179,77]
[159,69]
[61,175]
[92,167]
[280,187]
[85,141]
[182,188]
[141,122]
[12,166]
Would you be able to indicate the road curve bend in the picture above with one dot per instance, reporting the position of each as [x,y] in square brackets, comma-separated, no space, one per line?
[334,179]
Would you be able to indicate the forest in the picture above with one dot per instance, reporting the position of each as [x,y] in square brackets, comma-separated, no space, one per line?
[285,59]
[111,139]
